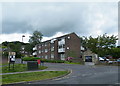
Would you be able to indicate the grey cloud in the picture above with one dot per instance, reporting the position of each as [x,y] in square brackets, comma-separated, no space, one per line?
[50,18]
[15,27]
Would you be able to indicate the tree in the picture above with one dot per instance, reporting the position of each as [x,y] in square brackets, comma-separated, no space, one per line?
[115,52]
[36,38]
[29,48]
[100,45]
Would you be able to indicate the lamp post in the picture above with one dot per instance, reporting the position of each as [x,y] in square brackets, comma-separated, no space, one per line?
[22,37]
[22,48]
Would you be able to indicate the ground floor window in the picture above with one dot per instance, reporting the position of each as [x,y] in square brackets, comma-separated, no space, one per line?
[62,56]
[52,56]
[46,57]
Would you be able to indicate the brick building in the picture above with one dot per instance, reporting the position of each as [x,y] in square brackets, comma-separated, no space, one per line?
[59,48]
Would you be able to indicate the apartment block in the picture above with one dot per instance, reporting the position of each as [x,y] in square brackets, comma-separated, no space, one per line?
[59,48]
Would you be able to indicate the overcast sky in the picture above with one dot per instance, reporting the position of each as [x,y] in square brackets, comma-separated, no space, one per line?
[56,18]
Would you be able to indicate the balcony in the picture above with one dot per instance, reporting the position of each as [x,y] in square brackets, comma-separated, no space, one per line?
[35,53]
[61,42]
[60,50]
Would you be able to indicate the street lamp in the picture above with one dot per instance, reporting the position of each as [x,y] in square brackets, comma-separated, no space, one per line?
[22,37]
[22,48]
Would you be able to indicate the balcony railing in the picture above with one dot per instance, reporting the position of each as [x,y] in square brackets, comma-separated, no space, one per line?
[60,50]
[61,42]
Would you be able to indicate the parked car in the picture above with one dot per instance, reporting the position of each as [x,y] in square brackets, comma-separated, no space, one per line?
[103,59]
[118,60]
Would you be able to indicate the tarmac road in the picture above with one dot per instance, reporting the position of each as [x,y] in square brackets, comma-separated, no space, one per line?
[83,74]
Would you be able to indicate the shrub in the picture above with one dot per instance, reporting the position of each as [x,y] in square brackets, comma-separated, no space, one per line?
[30,58]
[44,60]
[52,61]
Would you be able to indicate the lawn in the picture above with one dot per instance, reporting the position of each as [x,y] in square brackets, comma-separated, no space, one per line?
[18,68]
[66,62]
[12,78]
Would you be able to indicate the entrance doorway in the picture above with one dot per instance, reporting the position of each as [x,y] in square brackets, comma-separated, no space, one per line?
[88,58]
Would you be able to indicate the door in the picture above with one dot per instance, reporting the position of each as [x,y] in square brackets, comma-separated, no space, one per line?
[88,58]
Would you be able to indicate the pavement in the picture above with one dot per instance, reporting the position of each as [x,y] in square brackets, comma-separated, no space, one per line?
[81,74]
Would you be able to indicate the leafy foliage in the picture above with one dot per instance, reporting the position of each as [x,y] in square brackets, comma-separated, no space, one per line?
[36,38]
[30,58]
[100,45]
[15,46]
[115,52]
[44,60]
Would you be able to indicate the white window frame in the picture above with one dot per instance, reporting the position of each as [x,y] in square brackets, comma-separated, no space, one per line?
[46,50]
[62,56]
[39,51]
[52,56]
[46,56]
[39,46]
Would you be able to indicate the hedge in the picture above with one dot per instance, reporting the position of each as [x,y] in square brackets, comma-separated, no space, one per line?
[44,60]
[30,58]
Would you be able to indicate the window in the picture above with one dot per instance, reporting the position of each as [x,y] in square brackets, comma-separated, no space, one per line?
[42,56]
[46,57]
[45,44]
[52,56]
[39,46]
[46,50]
[42,50]
[52,48]
[39,51]
[62,56]
[60,46]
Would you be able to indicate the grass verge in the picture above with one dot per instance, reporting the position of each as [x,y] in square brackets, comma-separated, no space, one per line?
[66,62]
[33,76]
[18,68]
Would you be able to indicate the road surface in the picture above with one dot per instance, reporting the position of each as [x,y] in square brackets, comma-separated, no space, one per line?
[83,74]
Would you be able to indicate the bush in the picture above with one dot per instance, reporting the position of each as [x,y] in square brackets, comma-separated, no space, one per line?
[18,55]
[52,61]
[44,60]
[30,58]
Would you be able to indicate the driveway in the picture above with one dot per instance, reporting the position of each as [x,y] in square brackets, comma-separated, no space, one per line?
[83,74]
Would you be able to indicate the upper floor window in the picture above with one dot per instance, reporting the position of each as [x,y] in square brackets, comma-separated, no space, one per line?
[45,44]
[42,44]
[42,50]
[39,51]
[46,50]
[39,46]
